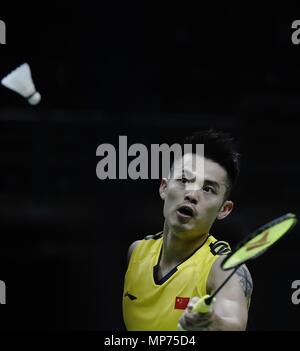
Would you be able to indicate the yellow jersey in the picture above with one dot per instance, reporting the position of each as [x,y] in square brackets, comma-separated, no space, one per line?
[150,303]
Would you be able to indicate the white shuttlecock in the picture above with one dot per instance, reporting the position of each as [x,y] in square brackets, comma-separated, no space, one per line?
[20,81]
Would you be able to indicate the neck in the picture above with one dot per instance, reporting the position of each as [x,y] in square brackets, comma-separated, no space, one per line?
[176,248]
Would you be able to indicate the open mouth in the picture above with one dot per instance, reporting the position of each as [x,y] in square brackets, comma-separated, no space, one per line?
[186,211]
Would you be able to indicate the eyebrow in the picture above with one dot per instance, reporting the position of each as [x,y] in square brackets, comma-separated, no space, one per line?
[206,181]
[186,173]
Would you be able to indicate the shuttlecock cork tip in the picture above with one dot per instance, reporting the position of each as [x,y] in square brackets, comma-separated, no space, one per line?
[20,81]
[34,99]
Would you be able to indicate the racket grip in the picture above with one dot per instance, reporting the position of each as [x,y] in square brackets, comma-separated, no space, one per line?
[204,305]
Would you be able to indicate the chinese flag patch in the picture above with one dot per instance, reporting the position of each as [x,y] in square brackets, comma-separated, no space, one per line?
[181,303]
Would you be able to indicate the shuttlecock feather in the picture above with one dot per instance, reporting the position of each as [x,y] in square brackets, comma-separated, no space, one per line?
[20,81]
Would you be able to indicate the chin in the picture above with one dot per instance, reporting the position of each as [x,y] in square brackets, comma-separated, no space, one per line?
[183,227]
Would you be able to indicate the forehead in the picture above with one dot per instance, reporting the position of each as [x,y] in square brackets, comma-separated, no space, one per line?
[194,165]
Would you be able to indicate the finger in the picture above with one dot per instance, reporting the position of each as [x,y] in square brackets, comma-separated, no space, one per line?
[197,318]
[199,315]
[190,326]
[192,302]
[187,324]
[196,325]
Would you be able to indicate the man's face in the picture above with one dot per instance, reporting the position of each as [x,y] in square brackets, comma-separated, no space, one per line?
[194,198]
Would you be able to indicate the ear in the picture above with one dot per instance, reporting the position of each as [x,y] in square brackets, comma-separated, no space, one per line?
[163,188]
[226,208]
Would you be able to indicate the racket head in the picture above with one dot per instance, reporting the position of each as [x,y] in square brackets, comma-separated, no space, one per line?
[259,241]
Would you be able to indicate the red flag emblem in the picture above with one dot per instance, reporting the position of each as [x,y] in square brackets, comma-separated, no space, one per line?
[181,303]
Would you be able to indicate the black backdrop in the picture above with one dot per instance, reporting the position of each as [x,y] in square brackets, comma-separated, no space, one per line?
[154,74]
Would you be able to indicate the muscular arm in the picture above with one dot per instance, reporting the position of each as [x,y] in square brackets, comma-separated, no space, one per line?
[232,302]
[230,310]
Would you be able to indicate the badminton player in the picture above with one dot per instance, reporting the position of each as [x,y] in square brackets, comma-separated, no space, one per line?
[168,272]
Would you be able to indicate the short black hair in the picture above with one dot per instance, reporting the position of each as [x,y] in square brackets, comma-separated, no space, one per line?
[221,148]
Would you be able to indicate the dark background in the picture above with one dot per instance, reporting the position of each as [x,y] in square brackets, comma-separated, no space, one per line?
[155,74]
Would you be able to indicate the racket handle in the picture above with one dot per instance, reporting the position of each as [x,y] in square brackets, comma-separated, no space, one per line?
[204,305]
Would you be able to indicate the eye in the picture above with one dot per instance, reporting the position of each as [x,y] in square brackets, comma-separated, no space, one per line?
[183,180]
[208,189]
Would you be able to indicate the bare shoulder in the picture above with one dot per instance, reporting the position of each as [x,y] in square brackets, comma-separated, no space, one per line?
[131,248]
[216,274]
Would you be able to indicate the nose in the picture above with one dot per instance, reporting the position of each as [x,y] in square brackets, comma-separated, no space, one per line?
[191,197]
